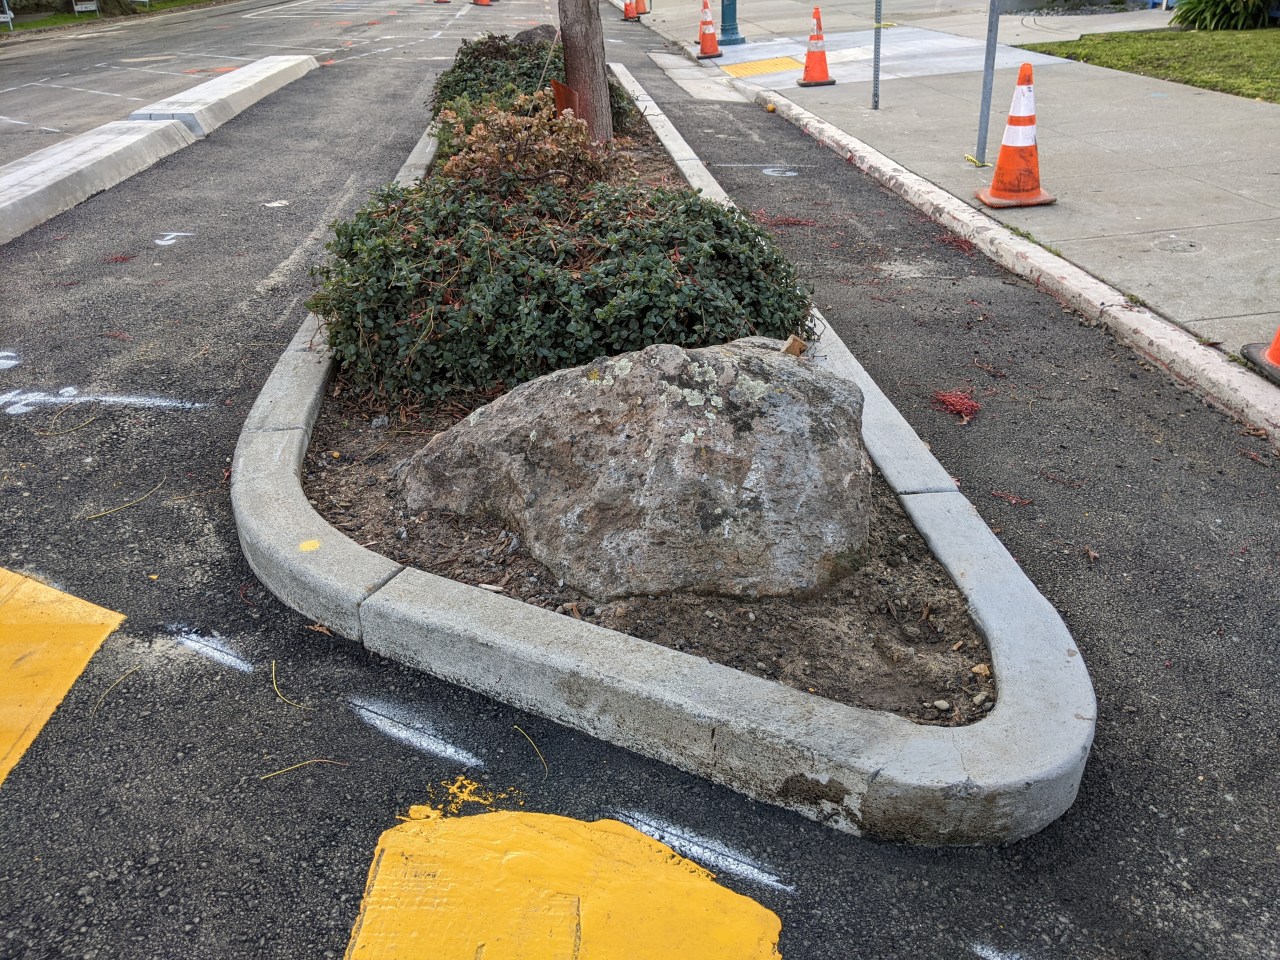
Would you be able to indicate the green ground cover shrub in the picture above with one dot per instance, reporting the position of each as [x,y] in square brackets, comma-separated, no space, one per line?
[433,289]
[496,70]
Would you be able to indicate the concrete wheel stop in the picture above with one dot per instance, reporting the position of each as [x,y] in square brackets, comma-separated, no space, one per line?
[1002,778]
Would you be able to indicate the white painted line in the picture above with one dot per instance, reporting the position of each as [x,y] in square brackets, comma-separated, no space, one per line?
[402,724]
[101,93]
[257,15]
[705,850]
[214,56]
[9,359]
[163,73]
[291,46]
[21,123]
[212,647]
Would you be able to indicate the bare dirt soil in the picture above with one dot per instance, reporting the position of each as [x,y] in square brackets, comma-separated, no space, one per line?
[894,636]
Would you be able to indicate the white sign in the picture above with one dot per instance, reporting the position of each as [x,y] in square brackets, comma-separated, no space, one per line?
[86,7]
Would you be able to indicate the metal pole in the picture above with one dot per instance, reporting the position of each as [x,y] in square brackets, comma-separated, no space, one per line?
[875,60]
[988,78]
[729,35]
[8,14]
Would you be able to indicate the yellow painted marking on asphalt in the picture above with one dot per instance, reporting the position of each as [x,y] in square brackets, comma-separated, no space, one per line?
[46,639]
[532,886]
[309,546]
[755,68]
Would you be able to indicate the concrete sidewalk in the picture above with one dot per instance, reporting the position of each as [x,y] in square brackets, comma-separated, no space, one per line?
[1167,192]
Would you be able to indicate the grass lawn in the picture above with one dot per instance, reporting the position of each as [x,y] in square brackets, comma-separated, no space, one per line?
[57,19]
[1243,62]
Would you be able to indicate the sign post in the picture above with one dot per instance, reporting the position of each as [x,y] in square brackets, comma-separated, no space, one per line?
[875,59]
[6,14]
[988,78]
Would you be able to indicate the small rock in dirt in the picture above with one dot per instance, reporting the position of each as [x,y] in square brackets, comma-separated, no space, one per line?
[942,705]
[911,631]
[380,422]
[980,699]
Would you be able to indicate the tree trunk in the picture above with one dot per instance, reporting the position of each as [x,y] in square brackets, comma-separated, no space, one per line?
[584,70]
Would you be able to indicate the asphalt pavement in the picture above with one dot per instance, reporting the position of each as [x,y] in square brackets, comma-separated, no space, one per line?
[138,823]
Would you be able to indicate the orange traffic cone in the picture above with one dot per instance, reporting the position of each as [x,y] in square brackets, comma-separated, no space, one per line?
[1266,359]
[629,12]
[642,7]
[709,47]
[815,61]
[1017,178]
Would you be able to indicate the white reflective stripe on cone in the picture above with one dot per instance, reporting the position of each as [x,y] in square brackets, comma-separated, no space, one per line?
[817,46]
[1019,137]
[1024,102]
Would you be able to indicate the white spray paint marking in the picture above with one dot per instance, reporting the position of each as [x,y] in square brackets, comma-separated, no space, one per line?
[169,239]
[991,953]
[9,359]
[277,203]
[23,401]
[402,725]
[705,850]
[21,123]
[213,647]
[101,93]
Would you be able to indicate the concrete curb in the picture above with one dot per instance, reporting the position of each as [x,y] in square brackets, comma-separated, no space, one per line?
[205,107]
[863,771]
[46,183]
[1208,372]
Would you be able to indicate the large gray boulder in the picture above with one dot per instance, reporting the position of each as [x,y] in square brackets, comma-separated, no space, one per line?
[735,470]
